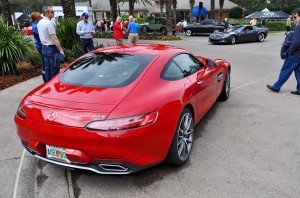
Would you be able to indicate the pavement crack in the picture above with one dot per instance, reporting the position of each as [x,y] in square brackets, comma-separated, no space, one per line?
[13,158]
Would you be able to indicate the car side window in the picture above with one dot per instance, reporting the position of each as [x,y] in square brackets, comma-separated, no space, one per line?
[181,66]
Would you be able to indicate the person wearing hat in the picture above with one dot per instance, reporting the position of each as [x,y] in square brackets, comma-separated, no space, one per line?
[85,29]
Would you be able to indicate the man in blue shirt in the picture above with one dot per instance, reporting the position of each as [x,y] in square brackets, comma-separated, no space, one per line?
[133,30]
[292,61]
[85,29]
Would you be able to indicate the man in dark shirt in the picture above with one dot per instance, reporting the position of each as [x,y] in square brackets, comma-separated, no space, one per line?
[292,62]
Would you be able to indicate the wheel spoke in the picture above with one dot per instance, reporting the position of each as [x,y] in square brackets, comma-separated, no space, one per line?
[180,148]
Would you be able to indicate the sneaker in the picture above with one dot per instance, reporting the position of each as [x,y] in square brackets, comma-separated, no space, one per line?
[272,88]
[295,92]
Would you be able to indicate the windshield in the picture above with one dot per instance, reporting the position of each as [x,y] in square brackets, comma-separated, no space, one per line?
[235,29]
[106,69]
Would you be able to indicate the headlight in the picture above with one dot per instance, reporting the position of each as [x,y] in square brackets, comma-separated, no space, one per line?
[123,123]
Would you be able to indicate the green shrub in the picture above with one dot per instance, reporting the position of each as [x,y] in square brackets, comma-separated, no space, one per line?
[35,59]
[69,55]
[66,33]
[236,12]
[14,46]
[143,36]
[276,25]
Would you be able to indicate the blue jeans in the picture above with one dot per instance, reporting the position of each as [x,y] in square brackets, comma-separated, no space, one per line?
[291,63]
[48,55]
[43,65]
[87,44]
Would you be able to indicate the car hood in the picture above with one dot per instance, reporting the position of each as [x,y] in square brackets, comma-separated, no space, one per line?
[69,105]
[143,24]
[220,34]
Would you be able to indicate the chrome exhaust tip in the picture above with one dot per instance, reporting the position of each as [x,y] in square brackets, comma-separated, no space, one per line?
[113,167]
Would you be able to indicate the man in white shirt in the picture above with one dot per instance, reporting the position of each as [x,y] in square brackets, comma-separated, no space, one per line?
[85,29]
[50,43]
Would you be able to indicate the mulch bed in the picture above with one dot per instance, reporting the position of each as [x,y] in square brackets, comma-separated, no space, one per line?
[25,72]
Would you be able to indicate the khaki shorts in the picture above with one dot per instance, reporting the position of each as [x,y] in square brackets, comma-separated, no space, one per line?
[133,38]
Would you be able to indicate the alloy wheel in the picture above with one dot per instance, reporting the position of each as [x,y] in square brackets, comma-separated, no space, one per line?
[261,37]
[185,136]
[188,33]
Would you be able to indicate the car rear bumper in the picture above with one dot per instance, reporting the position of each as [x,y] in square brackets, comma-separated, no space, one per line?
[100,167]
[118,152]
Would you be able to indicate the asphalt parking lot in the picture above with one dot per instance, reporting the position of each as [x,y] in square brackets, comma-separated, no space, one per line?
[247,146]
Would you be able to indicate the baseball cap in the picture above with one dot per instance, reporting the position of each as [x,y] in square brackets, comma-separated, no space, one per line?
[86,15]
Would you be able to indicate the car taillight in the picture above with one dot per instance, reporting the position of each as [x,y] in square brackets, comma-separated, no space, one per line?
[21,112]
[123,123]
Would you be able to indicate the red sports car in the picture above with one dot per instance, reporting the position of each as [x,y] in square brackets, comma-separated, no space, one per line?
[27,30]
[122,109]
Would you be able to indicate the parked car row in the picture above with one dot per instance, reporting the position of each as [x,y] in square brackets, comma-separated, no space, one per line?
[236,34]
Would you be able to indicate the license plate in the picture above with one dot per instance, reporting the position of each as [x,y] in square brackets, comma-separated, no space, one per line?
[56,153]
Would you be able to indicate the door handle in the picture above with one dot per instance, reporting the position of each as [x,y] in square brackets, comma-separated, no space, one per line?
[200,83]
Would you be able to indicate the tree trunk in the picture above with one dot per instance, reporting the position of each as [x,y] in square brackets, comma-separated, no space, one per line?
[6,12]
[73,8]
[131,7]
[281,5]
[161,5]
[192,3]
[169,16]
[67,8]
[212,9]
[113,10]
[174,2]
[221,4]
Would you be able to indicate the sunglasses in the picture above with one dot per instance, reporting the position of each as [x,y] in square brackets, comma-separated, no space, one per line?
[294,17]
[51,11]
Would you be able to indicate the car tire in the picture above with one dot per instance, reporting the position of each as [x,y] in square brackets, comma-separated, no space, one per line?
[224,95]
[144,29]
[232,40]
[182,143]
[189,32]
[261,37]
[163,31]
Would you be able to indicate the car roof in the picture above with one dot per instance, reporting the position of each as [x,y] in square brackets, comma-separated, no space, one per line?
[153,49]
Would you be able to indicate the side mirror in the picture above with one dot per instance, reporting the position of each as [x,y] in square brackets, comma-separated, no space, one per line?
[211,63]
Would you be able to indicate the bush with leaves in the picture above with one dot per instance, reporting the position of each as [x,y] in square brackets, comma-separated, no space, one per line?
[236,12]
[66,33]
[35,59]
[14,46]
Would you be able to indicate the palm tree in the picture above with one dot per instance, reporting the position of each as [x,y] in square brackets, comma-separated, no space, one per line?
[132,2]
[221,4]
[131,6]
[67,8]
[73,8]
[161,5]
[6,12]
[192,3]
[212,9]
[281,5]
[174,3]
[169,16]
[113,10]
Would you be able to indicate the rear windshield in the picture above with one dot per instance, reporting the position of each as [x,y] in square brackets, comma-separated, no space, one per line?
[106,69]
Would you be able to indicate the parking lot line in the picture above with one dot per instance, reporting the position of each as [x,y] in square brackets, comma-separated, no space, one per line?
[18,175]
[254,81]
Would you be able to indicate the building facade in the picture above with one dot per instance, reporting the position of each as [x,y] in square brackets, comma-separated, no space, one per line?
[101,9]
